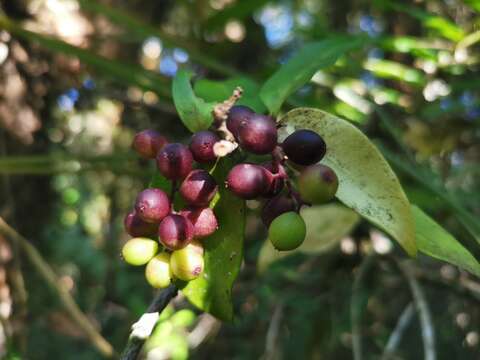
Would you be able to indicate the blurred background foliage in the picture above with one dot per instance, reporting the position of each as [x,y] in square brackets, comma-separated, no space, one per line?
[80,77]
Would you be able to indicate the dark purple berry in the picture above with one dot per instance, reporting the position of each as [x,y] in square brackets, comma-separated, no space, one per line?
[201,146]
[276,179]
[148,143]
[198,188]
[136,227]
[258,135]
[152,205]
[276,207]
[175,161]
[175,232]
[203,219]
[317,184]
[247,181]
[237,116]
[304,147]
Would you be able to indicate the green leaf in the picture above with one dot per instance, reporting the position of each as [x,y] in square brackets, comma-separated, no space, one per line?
[326,226]
[211,292]
[301,67]
[195,113]
[367,183]
[436,242]
[392,70]
[218,91]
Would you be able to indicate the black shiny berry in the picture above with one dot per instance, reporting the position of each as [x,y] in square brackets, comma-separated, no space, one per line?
[258,135]
[201,146]
[237,116]
[148,143]
[198,188]
[175,161]
[304,147]
[152,205]
[247,181]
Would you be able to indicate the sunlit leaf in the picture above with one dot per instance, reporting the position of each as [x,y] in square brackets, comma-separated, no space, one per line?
[393,70]
[367,183]
[326,226]
[436,242]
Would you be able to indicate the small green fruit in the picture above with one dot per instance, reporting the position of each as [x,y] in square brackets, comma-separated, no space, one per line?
[158,271]
[317,184]
[187,263]
[139,251]
[287,231]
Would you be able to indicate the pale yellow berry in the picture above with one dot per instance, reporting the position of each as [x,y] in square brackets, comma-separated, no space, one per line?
[187,263]
[158,272]
[139,251]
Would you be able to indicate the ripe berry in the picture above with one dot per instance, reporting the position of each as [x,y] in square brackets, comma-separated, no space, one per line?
[275,179]
[198,188]
[304,147]
[203,220]
[136,227]
[148,143]
[158,271]
[139,251]
[247,181]
[201,146]
[258,135]
[287,232]
[318,184]
[152,205]
[275,207]
[237,116]
[175,231]
[187,263]
[175,161]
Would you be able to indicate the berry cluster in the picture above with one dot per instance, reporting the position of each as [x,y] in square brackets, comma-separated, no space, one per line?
[180,232]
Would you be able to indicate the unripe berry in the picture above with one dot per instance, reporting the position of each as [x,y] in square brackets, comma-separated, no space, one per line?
[198,188]
[158,271]
[187,263]
[148,143]
[203,220]
[287,232]
[247,181]
[175,161]
[139,251]
[317,184]
[258,135]
[304,147]
[175,232]
[275,207]
[136,227]
[152,205]
[237,116]
[275,179]
[201,146]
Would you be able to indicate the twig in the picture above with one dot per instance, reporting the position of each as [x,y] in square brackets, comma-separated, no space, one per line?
[421,305]
[356,307]
[142,329]
[397,333]
[205,328]
[97,340]
[271,342]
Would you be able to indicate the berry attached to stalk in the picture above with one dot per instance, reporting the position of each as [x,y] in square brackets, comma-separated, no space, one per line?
[158,271]
[136,227]
[304,147]
[198,188]
[276,179]
[287,231]
[258,135]
[318,184]
[201,146]
[203,219]
[247,181]
[148,143]
[175,232]
[175,161]
[139,251]
[238,116]
[187,263]
[152,205]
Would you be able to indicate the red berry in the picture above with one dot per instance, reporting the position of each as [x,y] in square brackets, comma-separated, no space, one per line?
[247,181]
[175,161]
[148,143]
[198,188]
[152,205]
[237,116]
[276,179]
[258,135]
[175,232]
[304,147]
[136,227]
[203,220]
[201,146]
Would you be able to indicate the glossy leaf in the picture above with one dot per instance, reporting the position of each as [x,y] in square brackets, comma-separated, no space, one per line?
[301,67]
[195,113]
[367,183]
[326,226]
[436,242]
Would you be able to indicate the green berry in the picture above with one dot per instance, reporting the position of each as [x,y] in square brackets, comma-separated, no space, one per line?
[287,231]
[158,272]
[187,263]
[139,251]
[317,184]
